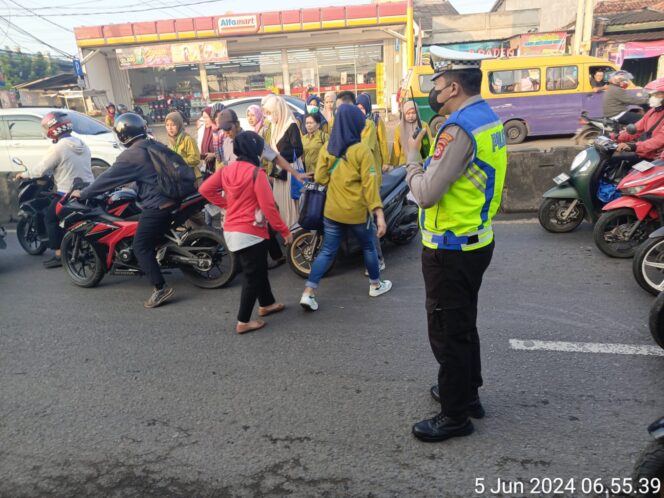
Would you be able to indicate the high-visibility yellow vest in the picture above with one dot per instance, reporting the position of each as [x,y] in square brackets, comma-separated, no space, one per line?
[461,220]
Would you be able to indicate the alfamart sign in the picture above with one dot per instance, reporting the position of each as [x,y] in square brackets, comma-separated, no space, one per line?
[237,25]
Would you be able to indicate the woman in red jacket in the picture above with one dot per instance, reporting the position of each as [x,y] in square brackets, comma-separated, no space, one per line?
[243,190]
[648,141]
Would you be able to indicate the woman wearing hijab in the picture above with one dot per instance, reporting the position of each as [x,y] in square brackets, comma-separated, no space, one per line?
[327,111]
[404,130]
[370,132]
[256,120]
[179,141]
[313,141]
[286,140]
[348,170]
[243,190]
[205,145]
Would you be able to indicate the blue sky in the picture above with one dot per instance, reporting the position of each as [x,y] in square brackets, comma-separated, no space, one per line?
[64,40]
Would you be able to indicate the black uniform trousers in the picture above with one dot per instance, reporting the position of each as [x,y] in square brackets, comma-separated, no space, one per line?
[452,281]
[153,224]
[52,225]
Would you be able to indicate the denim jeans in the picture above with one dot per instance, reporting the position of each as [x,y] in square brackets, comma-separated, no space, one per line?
[334,234]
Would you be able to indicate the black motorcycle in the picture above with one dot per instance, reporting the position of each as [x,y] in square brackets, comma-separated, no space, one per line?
[3,234]
[400,218]
[34,196]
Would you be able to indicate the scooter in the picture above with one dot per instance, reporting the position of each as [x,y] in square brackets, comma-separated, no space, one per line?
[34,196]
[575,196]
[648,265]
[593,127]
[628,220]
[400,218]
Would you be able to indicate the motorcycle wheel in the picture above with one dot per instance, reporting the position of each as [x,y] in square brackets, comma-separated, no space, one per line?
[648,265]
[301,253]
[551,211]
[656,322]
[611,229]
[587,137]
[214,272]
[81,261]
[650,465]
[26,231]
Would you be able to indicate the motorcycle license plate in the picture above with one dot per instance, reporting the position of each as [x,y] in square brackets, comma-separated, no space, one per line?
[561,178]
[643,166]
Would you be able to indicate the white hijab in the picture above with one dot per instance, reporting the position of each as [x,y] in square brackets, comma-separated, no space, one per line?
[282,117]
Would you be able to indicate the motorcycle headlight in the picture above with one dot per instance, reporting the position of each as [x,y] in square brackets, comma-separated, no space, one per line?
[578,160]
[632,190]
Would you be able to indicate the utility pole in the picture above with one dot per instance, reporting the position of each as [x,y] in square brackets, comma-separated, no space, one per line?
[578,27]
[588,21]
[410,38]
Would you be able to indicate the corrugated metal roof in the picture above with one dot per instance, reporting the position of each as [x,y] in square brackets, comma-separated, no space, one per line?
[425,10]
[632,37]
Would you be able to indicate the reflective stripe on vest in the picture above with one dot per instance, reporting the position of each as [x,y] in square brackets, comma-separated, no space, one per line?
[461,219]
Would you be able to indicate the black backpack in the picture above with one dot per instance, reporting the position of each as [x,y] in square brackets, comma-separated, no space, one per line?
[175,178]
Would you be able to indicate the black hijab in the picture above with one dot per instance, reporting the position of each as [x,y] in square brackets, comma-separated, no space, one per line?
[248,146]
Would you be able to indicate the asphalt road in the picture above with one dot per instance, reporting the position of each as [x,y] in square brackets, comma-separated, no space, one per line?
[100,397]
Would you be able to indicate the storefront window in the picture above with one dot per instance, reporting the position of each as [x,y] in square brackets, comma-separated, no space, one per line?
[245,74]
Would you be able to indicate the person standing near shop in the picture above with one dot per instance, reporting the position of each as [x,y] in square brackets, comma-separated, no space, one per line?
[256,120]
[205,140]
[313,141]
[459,191]
[179,141]
[381,132]
[286,140]
[110,115]
[403,132]
[328,111]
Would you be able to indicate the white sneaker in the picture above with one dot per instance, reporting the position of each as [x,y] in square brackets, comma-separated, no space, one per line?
[381,267]
[308,302]
[385,286]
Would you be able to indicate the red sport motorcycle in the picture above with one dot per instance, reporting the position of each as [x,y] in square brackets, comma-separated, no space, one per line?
[627,221]
[98,241]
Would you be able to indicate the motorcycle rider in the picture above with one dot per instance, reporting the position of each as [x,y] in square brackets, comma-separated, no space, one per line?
[68,158]
[648,141]
[617,98]
[134,165]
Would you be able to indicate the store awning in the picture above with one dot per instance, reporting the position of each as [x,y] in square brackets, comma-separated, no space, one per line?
[643,50]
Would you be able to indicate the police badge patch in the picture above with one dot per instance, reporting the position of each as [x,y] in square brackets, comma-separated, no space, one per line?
[443,141]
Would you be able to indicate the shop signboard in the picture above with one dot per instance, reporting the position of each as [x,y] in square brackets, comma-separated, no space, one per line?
[496,48]
[543,43]
[237,25]
[168,55]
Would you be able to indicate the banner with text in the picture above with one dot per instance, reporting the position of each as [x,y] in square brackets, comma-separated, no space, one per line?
[543,43]
[171,54]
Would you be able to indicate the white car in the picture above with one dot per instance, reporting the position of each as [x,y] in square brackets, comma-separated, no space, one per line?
[21,137]
[241,105]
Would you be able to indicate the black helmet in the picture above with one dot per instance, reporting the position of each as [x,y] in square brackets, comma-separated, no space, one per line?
[129,127]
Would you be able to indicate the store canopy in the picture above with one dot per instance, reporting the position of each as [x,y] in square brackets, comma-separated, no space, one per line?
[643,50]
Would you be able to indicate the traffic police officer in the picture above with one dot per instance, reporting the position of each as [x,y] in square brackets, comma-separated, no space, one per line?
[458,190]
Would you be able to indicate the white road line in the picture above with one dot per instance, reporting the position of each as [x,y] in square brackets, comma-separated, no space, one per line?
[515,222]
[11,231]
[585,347]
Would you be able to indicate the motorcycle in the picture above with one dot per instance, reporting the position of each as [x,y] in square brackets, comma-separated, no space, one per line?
[593,127]
[575,196]
[97,243]
[34,196]
[648,263]
[628,220]
[400,218]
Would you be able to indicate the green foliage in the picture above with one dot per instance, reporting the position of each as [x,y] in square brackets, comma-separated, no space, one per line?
[19,68]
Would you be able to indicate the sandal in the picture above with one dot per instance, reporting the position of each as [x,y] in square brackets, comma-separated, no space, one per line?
[269,310]
[243,328]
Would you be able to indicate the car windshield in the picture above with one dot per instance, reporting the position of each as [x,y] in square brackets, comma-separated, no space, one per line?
[299,103]
[84,125]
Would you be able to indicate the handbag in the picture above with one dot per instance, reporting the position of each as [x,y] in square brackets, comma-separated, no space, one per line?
[312,204]
[296,185]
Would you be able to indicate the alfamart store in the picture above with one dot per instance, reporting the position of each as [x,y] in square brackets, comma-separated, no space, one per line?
[203,59]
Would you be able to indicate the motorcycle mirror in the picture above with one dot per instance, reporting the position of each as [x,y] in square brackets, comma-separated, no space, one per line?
[631,129]
[18,162]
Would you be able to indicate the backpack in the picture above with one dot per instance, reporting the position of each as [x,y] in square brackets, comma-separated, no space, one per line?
[175,179]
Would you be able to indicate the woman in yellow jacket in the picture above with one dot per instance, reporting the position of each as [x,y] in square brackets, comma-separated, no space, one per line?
[313,140]
[182,143]
[405,129]
[348,169]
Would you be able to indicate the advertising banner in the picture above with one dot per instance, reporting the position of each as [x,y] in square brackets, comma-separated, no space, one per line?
[168,55]
[543,43]
[237,25]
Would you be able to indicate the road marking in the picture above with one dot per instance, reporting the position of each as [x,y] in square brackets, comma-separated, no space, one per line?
[11,231]
[515,222]
[585,347]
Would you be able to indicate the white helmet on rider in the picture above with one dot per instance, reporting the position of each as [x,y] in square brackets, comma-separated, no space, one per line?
[621,78]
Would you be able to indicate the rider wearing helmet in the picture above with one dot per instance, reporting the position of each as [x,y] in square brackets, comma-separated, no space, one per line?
[122,109]
[648,141]
[110,114]
[134,165]
[617,98]
[68,158]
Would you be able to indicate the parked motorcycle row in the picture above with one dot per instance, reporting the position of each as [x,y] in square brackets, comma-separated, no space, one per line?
[624,198]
